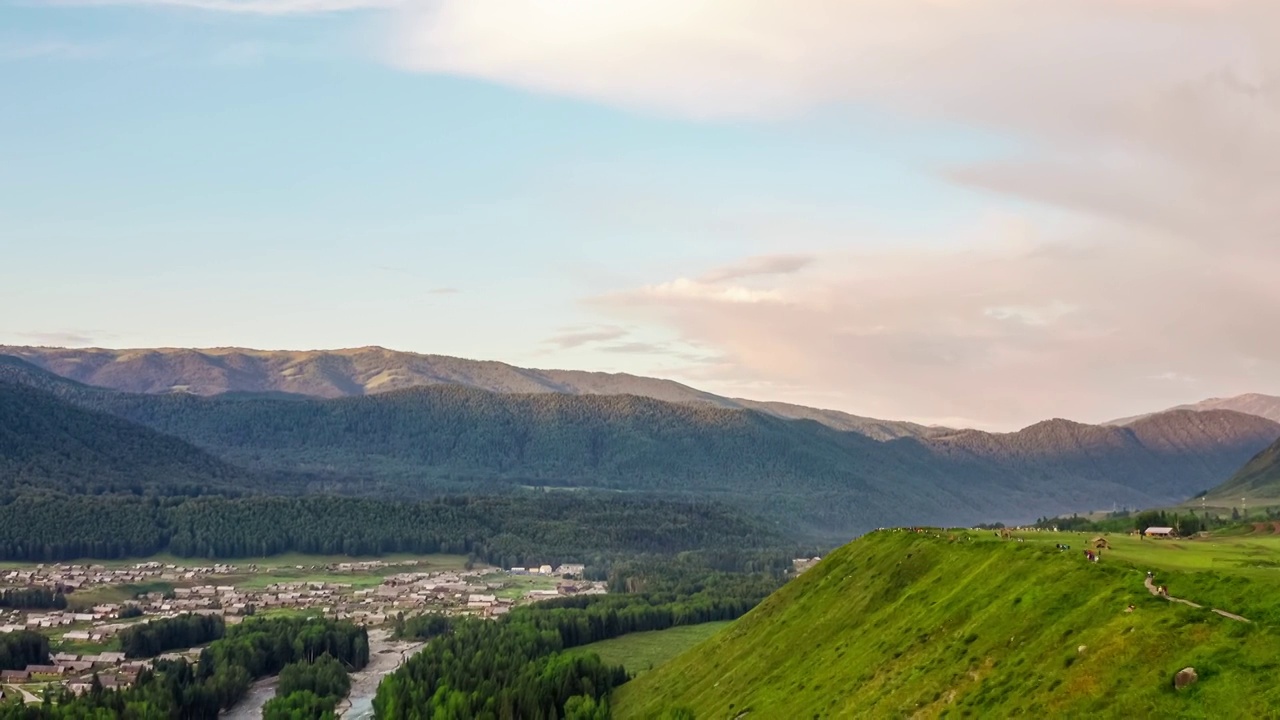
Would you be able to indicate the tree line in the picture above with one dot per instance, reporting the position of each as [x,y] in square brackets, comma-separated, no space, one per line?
[504,670]
[308,690]
[33,598]
[1183,523]
[507,530]
[22,648]
[158,636]
[517,668]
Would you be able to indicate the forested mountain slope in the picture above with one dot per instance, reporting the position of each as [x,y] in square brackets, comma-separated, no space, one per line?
[900,624]
[444,438]
[1169,456]
[369,370]
[49,444]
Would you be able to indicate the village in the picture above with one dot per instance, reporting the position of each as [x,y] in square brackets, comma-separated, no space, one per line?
[102,601]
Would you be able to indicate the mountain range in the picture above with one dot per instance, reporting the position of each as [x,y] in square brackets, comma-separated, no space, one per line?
[455,437]
[1267,406]
[371,370]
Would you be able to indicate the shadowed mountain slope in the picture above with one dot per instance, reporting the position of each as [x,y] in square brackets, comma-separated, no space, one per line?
[1174,454]
[49,444]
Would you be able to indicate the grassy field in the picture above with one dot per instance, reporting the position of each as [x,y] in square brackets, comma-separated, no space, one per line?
[292,560]
[84,647]
[84,599]
[1238,571]
[1255,555]
[518,585]
[641,652]
[955,624]
[259,581]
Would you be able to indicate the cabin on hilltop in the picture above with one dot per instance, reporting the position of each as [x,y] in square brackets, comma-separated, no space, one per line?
[1158,532]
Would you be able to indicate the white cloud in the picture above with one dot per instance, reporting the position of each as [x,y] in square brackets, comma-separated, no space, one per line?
[1172,376]
[1000,334]
[1155,126]
[574,337]
[66,338]
[698,290]
[1028,315]
[761,265]
[712,58]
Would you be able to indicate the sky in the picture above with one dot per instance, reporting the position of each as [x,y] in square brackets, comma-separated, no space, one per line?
[977,212]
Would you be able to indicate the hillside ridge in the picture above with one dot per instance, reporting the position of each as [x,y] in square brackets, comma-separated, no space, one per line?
[951,623]
[1258,479]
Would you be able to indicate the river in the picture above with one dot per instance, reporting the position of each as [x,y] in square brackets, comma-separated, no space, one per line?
[384,657]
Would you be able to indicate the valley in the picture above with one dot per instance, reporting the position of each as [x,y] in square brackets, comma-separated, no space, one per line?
[682,574]
[93,609]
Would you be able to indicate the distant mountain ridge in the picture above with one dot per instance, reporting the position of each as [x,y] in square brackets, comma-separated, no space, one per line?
[453,438]
[1267,406]
[372,370]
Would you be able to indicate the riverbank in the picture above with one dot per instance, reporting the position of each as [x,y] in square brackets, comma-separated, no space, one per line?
[385,655]
[250,706]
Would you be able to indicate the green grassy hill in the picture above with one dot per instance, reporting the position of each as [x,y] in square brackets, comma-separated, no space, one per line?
[899,624]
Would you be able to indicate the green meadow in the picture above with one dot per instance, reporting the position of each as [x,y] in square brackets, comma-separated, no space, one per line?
[516,586]
[644,651]
[1237,570]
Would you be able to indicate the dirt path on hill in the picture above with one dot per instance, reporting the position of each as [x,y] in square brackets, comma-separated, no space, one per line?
[27,697]
[1151,585]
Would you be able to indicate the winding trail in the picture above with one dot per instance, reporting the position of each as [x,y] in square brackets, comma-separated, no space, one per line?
[1151,585]
[28,698]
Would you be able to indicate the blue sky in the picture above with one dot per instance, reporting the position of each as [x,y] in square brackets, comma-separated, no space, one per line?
[179,176]
[307,195]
